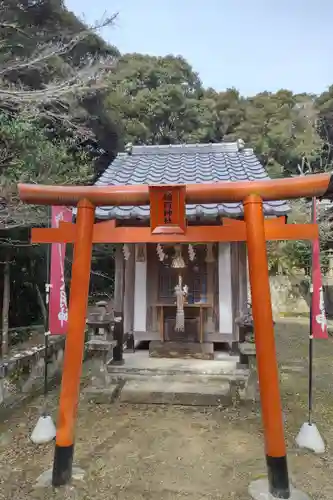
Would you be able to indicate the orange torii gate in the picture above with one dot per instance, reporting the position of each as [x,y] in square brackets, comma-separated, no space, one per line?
[255,231]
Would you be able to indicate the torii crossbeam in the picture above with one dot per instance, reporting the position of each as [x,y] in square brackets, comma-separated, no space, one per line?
[255,231]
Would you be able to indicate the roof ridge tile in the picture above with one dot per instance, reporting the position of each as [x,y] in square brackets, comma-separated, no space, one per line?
[214,147]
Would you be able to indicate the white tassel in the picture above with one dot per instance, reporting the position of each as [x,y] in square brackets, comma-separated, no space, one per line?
[178,261]
[126,251]
[191,253]
[160,252]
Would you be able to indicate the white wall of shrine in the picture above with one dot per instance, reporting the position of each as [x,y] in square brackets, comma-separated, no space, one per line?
[140,296]
[225,290]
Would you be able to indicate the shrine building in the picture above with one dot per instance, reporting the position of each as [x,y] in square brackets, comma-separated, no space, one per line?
[177,289]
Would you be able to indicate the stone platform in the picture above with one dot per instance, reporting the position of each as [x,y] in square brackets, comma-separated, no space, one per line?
[146,380]
[140,364]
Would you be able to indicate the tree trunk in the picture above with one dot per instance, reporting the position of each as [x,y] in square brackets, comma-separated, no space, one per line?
[40,298]
[5,308]
[41,303]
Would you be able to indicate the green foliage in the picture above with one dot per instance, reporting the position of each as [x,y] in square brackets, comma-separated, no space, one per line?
[160,100]
[275,127]
[286,256]
[155,100]
[52,70]
[30,156]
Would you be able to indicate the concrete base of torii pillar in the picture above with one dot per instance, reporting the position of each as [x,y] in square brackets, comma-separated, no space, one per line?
[258,490]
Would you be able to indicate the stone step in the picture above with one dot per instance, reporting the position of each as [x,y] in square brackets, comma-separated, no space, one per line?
[239,375]
[141,367]
[140,360]
[169,391]
[101,395]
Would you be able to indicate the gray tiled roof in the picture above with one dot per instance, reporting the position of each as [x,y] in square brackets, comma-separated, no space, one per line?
[185,164]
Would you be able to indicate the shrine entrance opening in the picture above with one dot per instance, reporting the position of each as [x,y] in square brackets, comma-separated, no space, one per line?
[186,264]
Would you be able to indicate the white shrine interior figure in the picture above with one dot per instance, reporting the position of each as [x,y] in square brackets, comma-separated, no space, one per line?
[181,294]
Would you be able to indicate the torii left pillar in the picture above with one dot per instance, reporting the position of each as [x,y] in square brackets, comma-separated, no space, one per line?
[74,350]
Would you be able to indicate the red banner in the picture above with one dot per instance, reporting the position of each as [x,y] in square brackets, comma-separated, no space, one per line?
[58,311]
[319,322]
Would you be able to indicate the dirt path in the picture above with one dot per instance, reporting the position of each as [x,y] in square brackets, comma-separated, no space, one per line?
[158,453]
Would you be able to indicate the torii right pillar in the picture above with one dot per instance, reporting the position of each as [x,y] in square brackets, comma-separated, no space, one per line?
[271,409]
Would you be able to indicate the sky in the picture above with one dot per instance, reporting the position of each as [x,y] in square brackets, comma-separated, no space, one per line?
[252,45]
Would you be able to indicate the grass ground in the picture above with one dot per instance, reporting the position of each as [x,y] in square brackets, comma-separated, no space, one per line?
[169,453]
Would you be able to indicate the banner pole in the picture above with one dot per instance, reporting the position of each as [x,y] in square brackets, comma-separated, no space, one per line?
[309,436]
[47,301]
[310,387]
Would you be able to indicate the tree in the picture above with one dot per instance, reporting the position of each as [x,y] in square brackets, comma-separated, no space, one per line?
[51,66]
[28,155]
[275,128]
[159,100]
[50,63]
[45,77]
[324,104]
[229,113]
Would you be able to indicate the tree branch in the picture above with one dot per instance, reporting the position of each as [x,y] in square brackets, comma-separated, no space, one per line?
[82,80]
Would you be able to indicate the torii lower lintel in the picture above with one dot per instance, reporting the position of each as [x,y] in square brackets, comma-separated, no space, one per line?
[107,232]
